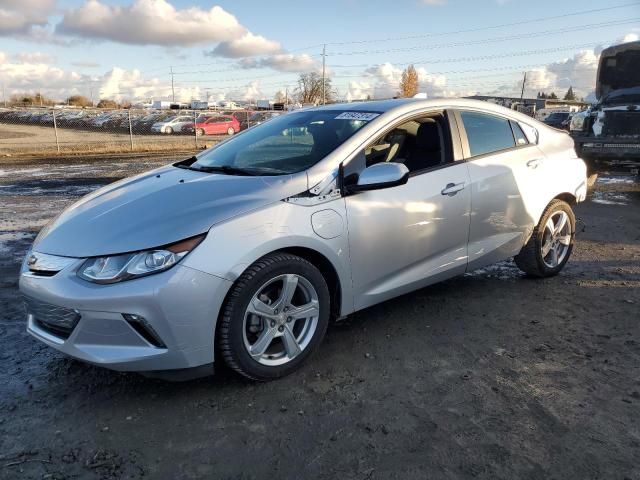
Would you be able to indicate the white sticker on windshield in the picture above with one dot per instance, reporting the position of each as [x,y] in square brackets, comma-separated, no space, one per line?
[364,116]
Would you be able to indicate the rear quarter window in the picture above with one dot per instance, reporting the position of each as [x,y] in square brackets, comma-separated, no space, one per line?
[521,138]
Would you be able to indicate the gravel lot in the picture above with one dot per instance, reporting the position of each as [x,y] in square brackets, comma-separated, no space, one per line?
[489,375]
[18,139]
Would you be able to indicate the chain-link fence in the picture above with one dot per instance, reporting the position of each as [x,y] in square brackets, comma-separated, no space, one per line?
[75,130]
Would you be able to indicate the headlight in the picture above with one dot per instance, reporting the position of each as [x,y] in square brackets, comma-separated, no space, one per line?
[117,268]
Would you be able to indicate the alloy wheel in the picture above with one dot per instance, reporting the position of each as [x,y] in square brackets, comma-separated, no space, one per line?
[281,319]
[556,239]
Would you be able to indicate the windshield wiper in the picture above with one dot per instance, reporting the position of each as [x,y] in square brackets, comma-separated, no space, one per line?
[186,163]
[226,169]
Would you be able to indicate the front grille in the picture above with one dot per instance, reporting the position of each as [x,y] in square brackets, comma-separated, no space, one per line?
[621,122]
[58,321]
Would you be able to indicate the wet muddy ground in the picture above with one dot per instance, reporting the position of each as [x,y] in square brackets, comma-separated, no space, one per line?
[489,375]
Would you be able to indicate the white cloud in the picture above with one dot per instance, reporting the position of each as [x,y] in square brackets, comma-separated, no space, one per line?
[629,37]
[434,3]
[283,62]
[383,81]
[578,71]
[34,57]
[40,77]
[248,45]
[3,57]
[251,91]
[85,64]
[21,16]
[147,22]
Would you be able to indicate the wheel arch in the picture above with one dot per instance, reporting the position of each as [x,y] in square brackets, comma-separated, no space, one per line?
[566,197]
[327,270]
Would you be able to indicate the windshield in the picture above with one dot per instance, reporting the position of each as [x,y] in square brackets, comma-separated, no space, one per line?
[622,96]
[558,116]
[287,144]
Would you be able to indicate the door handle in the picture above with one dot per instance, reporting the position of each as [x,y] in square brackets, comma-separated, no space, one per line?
[533,163]
[452,188]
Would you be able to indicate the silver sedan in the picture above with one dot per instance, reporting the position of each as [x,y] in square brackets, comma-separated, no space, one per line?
[250,248]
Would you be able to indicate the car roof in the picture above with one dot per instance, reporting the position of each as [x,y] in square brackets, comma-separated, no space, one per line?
[406,105]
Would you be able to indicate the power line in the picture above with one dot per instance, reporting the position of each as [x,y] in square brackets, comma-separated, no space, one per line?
[478,29]
[492,39]
[482,57]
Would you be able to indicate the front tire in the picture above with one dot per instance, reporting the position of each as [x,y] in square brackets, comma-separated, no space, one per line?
[168,130]
[275,316]
[550,246]
[230,131]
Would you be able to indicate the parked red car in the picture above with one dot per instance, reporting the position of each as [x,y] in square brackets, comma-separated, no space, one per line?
[220,125]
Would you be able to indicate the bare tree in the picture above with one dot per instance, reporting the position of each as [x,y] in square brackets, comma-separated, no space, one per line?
[27,99]
[279,97]
[106,103]
[79,101]
[409,82]
[309,89]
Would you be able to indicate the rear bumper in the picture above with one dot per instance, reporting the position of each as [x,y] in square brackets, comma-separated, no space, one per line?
[181,306]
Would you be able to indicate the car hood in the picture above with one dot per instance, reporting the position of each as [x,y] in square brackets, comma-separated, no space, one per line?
[157,208]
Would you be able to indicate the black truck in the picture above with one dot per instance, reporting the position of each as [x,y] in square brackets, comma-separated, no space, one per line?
[609,132]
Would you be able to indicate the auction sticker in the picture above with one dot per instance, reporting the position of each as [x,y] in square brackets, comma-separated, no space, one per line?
[364,116]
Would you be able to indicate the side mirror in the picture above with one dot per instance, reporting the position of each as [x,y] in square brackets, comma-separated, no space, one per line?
[381,175]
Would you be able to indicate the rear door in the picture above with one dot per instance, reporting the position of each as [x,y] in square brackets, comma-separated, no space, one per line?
[506,170]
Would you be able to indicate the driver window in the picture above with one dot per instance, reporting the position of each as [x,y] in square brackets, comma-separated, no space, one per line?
[420,144]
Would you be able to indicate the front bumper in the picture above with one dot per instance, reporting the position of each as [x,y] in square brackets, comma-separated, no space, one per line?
[608,147]
[181,305]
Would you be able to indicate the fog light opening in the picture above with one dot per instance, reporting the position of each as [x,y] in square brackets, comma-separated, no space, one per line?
[144,329]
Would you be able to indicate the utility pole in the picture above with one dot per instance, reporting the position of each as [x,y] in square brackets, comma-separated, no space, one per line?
[173,92]
[324,53]
[4,98]
[524,80]
[286,97]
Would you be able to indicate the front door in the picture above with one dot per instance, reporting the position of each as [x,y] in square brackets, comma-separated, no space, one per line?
[408,236]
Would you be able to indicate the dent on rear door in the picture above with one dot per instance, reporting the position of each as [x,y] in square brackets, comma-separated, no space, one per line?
[502,217]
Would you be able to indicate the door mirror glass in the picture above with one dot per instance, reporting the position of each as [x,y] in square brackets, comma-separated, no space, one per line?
[381,175]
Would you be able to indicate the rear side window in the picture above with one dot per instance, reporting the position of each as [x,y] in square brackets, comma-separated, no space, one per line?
[521,138]
[486,133]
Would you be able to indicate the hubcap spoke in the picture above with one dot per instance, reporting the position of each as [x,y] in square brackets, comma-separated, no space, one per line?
[546,247]
[263,342]
[290,343]
[550,226]
[258,307]
[562,221]
[304,311]
[554,256]
[289,286]
[565,239]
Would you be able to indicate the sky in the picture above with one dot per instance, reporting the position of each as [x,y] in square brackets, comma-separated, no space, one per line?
[249,50]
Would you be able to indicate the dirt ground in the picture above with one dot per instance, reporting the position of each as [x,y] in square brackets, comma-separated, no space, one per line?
[490,375]
[21,139]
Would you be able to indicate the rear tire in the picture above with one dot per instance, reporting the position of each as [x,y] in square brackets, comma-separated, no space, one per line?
[230,131]
[200,132]
[259,313]
[550,246]
[168,130]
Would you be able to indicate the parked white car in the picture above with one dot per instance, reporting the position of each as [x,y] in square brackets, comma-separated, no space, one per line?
[251,247]
[172,125]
